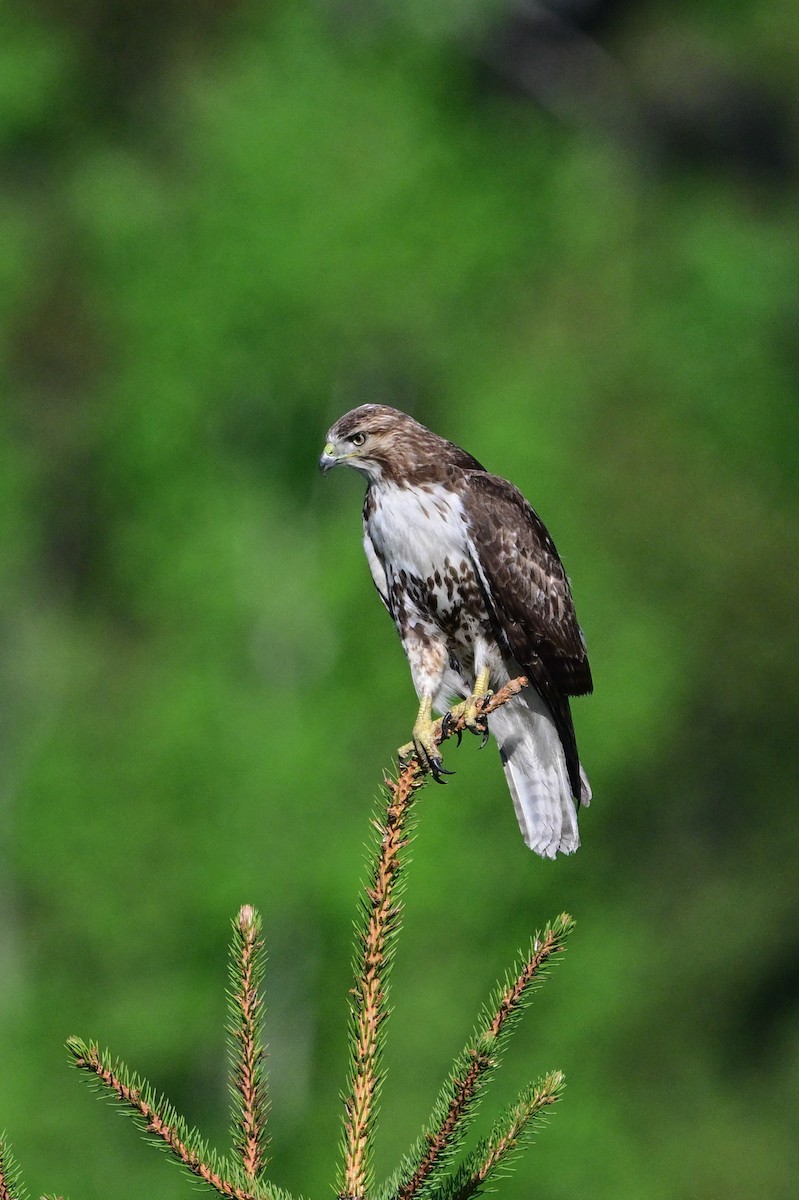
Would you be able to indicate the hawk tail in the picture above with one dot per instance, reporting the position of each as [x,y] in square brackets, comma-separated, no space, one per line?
[535,768]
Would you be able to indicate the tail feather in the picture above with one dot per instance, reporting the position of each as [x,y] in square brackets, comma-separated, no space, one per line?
[536,772]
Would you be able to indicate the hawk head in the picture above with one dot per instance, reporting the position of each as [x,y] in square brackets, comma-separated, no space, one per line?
[385,444]
[376,440]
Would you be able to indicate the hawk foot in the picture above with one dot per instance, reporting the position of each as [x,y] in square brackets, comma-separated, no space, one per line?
[424,746]
[469,713]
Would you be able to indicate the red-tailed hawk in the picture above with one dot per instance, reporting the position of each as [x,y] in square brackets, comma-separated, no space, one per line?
[479,596]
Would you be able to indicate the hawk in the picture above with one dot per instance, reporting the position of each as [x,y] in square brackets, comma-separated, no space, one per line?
[479,596]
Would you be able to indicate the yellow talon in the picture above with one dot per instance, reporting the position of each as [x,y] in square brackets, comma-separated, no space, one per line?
[469,711]
[424,744]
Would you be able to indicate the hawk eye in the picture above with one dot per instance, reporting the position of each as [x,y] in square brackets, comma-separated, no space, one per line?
[357,439]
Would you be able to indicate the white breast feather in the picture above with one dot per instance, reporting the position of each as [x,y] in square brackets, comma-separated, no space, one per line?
[414,530]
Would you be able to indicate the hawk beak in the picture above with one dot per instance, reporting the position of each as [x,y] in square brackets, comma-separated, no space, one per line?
[328,459]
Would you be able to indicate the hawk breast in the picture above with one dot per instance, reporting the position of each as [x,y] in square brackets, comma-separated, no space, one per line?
[419,538]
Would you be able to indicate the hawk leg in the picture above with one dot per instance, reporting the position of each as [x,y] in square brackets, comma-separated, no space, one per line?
[471,711]
[424,743]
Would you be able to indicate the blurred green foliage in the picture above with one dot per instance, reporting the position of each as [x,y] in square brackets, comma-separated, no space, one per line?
[222,226]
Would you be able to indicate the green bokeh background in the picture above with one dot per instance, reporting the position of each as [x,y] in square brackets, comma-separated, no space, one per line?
[224,224]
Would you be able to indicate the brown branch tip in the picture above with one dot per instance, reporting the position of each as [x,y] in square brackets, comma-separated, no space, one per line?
[541,950]
[249,1083]
[544,1094]
[368,1002]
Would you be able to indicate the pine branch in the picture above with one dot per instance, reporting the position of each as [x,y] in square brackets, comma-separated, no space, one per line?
[248,1079]
[438,1147]
[510,1001]
[427,1172]
[11,1187]
[160,1119]
[380,912]
[511,1134]
[434,1153]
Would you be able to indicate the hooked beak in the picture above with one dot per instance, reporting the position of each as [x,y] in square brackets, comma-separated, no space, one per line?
[328,459]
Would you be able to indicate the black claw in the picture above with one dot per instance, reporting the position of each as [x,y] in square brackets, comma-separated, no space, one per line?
[437,769]
[446,721]
[479,728]
[483,720]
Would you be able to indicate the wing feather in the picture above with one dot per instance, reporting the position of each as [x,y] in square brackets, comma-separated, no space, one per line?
[377,570]
[527,586]
[528,595]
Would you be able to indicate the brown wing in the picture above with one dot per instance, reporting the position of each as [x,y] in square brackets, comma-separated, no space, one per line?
[528,594]
[527,585]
